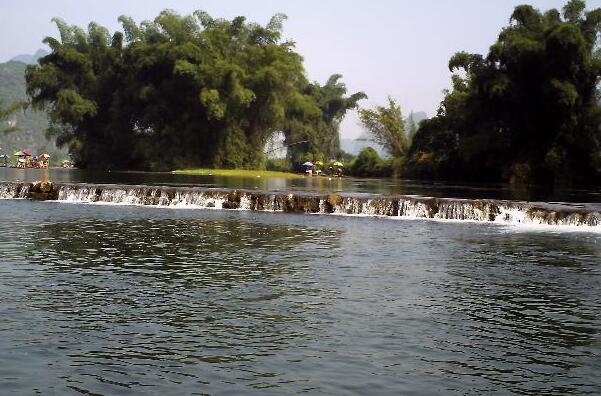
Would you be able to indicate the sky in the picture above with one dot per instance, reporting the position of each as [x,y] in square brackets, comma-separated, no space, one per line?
[397,48]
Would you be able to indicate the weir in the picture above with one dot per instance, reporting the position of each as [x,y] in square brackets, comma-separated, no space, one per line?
[479,210]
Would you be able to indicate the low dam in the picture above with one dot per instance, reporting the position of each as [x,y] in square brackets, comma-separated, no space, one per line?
[478,210]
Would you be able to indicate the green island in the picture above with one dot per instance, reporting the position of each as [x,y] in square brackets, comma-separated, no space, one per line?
[237,173]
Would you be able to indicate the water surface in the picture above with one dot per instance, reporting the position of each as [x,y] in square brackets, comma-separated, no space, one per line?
[99,299]
[385,186]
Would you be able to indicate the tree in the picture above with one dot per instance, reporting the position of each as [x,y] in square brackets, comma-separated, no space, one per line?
[527,111]
[387,127]
[6,111]
[369,163]
[318,120]
[181,91]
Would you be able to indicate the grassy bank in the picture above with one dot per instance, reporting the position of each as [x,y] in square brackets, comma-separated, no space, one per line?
[236,173]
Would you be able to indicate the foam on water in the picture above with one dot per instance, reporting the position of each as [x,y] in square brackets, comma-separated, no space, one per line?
[580,216]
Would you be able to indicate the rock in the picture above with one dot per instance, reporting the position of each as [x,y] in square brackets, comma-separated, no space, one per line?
[42,191]
[230,205]
[38,196]
[300,204]
[334,199]
[234,197]
[46,187]
[233,200]
[41,187]
[331,201]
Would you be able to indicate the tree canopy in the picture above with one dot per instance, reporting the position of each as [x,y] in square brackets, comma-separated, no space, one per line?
[317,129]
[387,127]
[6,111]
[527,111]
[183,91]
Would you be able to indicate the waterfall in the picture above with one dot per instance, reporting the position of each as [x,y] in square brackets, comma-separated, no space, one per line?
[14,190]
[478,210]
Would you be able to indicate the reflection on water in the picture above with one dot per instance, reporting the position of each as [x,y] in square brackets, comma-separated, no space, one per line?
[528,312]
[319,184]
[129,300]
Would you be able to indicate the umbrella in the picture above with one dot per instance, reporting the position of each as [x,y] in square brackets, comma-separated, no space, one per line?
[308,163]
[19,153]
[26,153]
[44,155]
[3,156]
[338,164]
[318,163]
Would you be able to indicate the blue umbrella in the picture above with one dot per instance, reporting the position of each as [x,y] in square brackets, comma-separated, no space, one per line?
[308,163]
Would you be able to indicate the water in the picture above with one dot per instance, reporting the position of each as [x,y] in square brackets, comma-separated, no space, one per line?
[316,184]
[104,299]
[446,209]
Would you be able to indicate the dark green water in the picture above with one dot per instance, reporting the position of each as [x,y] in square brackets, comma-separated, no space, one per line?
[99,299]
[320,184]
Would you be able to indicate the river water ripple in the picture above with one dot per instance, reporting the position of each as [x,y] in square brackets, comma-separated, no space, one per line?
[99,299]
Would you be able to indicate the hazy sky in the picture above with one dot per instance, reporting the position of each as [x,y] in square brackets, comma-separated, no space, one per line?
[383,47]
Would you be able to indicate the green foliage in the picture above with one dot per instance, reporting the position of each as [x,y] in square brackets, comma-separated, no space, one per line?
[10,109]
[315,118]
[387,127]
[6,111]
[254,173]
[26,125]
[278,165]
[182,91]
[369,163]
[527,111]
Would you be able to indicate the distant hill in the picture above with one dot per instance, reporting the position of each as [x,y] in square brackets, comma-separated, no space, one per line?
[30,59]
[354,146]
[31,124]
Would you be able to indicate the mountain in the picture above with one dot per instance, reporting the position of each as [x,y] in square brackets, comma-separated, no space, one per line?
[30,59]
[354,146]
[31,124]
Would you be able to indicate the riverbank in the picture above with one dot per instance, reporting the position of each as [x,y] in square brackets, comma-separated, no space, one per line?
[236,173]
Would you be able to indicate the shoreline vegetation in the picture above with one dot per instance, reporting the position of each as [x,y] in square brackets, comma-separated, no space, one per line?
[237,173]
[197,92]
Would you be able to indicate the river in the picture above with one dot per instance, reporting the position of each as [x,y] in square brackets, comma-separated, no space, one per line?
[121,299]
[348,184]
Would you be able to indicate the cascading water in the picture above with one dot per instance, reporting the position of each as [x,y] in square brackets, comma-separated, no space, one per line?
[14,190]
[496,211]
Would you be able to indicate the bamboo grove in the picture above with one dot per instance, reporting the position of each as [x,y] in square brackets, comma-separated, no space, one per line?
[528,111]
[184,91]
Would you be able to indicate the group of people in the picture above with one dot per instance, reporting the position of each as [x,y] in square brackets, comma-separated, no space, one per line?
[26,160]
[315,169]
[37,161]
